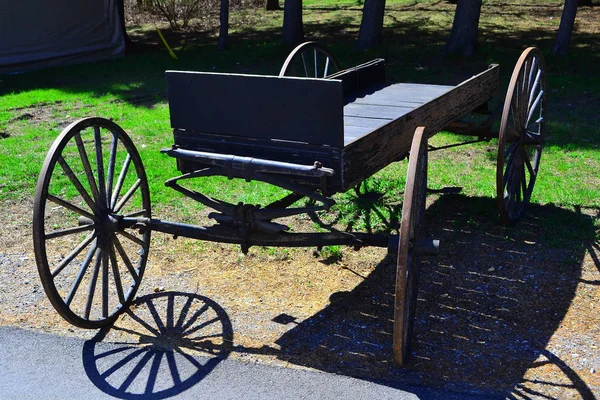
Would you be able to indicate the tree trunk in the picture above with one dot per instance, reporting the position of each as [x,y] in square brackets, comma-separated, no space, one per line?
[293,30]
[121,8]
[567,21]
[371,25]
[463,37]
[224,25]
[272,5]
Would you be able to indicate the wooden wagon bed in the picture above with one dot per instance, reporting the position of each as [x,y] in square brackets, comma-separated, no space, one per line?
[352,122]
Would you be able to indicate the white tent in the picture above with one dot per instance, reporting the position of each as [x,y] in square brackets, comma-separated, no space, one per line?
[41,33]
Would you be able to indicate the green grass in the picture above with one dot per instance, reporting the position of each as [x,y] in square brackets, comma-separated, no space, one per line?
[35,106]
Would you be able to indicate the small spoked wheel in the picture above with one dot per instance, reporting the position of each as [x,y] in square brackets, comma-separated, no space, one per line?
[91,267]
[521,135]
[411,231]
[311,60]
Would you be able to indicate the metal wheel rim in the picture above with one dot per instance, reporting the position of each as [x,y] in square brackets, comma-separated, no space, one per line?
[102,248]
[316,60]
[408,264]
[520,140]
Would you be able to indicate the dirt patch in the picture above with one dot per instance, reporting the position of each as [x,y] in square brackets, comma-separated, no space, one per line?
[509,310]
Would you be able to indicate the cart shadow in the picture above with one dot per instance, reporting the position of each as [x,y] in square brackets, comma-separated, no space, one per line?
[163,344]
[487,306]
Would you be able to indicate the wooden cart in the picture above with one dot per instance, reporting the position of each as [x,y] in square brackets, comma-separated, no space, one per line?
[314,136]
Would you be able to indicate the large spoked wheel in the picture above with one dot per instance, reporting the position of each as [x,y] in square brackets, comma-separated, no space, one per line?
[311,60]
[89,266]
[521,135]
[411,231]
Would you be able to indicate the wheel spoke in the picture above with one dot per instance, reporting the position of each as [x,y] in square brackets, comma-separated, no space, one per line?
[534,88]
[127,196]
[70,206]
[316,63]
[71,175]
[100,165]
[67,260]
[111,169]
[92,287]
[525,84]
[116,274]
[524,76]
[82,269]
[510,150]
[136,214]
[326,67]
[86,165]
[510,164]
[534,106]
[68,231]
[534,67]
[133,238]
[105,254]
[125,258]
[529,167]
[119,185]
[523,182]
[304,64]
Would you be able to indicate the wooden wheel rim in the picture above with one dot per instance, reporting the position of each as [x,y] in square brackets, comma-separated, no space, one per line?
[407,272]
[521,135]
[308,53]
[102,247]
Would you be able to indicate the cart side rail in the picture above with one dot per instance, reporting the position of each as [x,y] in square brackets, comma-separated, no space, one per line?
[292,109]
[378,149]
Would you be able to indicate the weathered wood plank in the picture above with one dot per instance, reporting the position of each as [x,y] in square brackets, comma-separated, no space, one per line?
[355,132]
[374,111]
[266,107]
[372,123]
[364,157]
[402,92]
[375,101]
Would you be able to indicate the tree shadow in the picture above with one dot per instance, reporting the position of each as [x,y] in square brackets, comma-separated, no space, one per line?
[164,344]
[487,306]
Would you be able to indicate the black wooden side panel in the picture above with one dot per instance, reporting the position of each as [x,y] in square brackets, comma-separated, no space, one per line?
[254,106]
[361,77]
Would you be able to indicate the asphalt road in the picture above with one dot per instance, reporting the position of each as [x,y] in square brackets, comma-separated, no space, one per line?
[41,366]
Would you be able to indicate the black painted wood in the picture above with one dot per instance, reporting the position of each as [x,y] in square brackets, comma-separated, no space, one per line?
[375,111]
[361,77]
[372,123]
[264,107]
[401,93]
